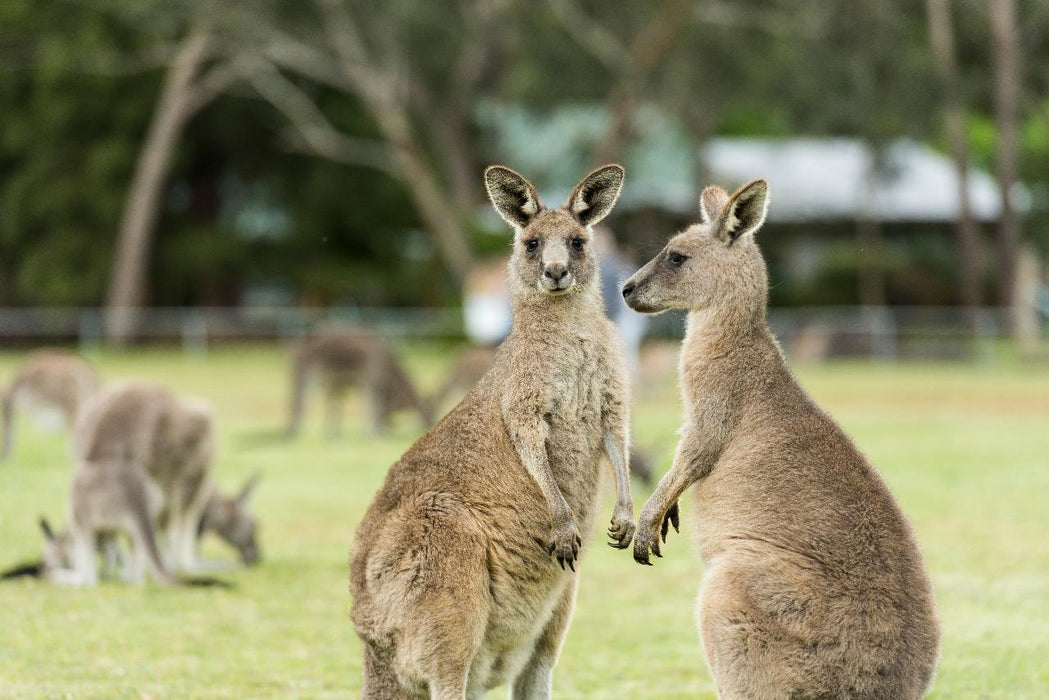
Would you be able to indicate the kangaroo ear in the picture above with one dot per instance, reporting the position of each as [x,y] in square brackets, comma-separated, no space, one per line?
[45,527]
[248,487]
[596,194]
[745,211]
[711,202]
[512,196]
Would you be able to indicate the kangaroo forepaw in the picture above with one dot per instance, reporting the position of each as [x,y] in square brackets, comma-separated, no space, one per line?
[564,543]
[621,530]
[649,532]
[671,518]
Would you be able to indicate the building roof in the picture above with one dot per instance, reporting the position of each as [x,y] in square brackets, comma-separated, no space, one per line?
[811,179]
[820,179]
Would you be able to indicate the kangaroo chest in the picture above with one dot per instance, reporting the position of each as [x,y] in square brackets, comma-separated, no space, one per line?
[574,415]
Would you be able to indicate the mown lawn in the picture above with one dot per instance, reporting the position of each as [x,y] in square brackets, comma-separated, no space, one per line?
[966,450]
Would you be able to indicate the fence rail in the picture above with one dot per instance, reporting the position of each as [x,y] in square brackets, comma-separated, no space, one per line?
[808,332]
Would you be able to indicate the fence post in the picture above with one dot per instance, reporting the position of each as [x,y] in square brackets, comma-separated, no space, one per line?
[194,334]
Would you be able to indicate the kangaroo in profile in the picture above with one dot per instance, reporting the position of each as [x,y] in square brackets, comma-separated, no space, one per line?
[343,360]
[49,383]
[814,586]
[454,588]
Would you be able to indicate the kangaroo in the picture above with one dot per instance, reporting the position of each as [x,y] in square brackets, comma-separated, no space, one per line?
[233,522]
[342,360]
[814,586]
[454,587]
[163,441]
[48,382]
[107,499]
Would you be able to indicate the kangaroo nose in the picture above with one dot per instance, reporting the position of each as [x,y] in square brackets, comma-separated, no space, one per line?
[556,271]
[627,289]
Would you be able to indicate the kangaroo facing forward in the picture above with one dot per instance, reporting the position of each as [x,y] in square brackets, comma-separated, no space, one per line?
[813,585]
[454,588]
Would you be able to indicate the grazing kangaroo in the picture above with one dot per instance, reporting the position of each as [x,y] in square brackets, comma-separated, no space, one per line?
[167,443]
[110,500]
[233,522]
[814,585]
[342,360]
[49,383]
[454,588]
[107,499]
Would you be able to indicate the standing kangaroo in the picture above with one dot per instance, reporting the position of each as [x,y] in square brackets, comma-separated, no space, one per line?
[48,382]
[454,588]
[342,360]
[814,586]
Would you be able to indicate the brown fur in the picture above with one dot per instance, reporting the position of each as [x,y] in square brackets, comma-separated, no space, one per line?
[814,585]
[50,380]
[454,588]
[348,359]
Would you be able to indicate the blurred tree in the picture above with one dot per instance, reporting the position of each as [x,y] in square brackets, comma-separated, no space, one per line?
[186,89]
[1006,64]
[375,54]
[941,39]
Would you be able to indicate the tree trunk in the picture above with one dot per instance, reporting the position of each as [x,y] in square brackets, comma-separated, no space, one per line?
[174,107]
[1006,98]
[869,239]
[437,212]
[941,38]
[648,51]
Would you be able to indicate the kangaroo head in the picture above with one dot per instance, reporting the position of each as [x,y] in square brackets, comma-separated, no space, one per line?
[712,264]
[552,253]
[232,520]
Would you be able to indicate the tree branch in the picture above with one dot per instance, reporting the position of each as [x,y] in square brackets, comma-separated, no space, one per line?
[315,134]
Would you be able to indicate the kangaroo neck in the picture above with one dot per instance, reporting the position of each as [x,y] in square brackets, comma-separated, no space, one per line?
[724,352]
[534,310]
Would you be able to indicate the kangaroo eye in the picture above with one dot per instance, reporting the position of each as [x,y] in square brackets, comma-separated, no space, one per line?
[577,243]
[531,244]
[676,259]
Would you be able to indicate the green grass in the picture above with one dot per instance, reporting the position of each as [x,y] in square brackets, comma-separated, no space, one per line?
[965,449]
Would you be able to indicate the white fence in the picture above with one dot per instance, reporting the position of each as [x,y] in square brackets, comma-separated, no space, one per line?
[809,332]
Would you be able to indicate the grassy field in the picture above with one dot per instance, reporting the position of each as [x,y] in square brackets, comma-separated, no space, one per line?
[966,450]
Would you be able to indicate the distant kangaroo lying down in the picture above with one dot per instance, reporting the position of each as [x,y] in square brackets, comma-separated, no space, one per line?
[454,589]
[48,382]
[342,360]
[814,586]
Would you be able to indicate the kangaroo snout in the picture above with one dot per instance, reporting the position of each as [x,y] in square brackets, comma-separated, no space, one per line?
[555,272]
[628,289]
